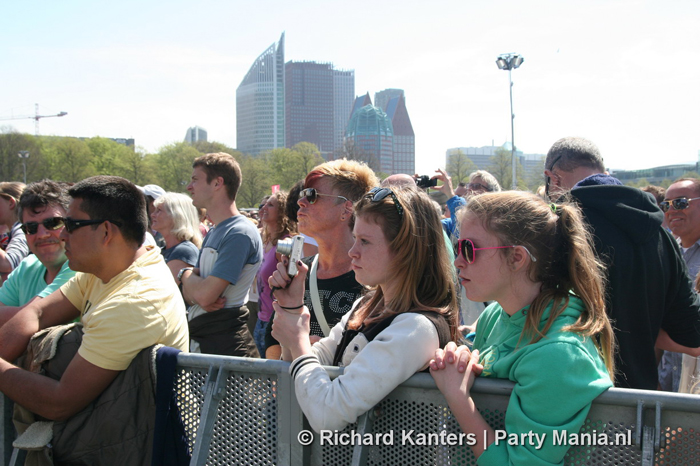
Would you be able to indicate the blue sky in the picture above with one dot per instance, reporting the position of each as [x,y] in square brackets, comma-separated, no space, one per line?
[623,73]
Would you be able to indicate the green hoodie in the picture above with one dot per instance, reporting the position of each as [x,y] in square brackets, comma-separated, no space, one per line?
[556,379]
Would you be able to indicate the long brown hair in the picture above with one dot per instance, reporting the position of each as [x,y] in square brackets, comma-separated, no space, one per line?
[557,236]
[421,264]
[284,227]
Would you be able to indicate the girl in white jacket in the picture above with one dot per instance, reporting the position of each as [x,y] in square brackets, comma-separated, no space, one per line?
[410,310]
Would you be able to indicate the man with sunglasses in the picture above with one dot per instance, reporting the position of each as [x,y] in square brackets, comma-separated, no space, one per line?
[681,207]
[125,298]
[41,209]
[649,296]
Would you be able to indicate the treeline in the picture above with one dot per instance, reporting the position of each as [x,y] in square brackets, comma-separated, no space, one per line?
[73,159]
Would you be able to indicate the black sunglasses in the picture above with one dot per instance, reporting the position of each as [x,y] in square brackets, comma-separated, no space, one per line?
[72,225]
[379,194]
[53,223]
[466,248]
[678,204]
[311,195]
[547,179]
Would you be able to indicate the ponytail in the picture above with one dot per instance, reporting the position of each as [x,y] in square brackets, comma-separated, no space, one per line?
[566,263]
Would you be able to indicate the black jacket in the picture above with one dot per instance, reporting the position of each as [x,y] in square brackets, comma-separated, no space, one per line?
[648,286]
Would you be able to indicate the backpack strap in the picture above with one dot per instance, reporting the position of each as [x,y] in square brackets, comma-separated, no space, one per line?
[438,320]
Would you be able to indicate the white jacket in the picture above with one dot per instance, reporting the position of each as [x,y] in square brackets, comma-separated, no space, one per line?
[373,369]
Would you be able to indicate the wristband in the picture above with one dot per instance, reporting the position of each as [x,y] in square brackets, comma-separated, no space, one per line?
[290,308]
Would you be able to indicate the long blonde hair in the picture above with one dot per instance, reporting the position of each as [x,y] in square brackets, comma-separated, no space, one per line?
[421,262]
[557,236]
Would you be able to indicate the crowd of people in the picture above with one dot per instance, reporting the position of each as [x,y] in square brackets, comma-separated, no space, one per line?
[590,276]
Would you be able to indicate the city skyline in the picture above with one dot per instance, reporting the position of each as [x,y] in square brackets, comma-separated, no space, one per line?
[618,72]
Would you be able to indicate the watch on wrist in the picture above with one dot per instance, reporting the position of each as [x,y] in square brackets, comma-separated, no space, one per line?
[181,272]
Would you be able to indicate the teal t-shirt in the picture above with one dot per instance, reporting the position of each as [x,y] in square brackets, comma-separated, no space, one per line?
[27,281]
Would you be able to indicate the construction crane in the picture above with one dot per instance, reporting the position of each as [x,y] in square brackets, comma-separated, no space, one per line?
[35,117]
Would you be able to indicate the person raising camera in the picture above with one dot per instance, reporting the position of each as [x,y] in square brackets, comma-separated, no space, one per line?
[325,212]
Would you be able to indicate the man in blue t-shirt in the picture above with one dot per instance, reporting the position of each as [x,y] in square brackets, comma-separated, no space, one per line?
[42,207]
[230,257]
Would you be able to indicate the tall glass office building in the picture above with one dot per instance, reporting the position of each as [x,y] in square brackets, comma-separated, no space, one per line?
[318,101]
[260,103]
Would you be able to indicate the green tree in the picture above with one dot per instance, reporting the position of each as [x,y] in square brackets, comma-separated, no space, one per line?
[308,157]
[256,181]
[459,167]
[535,177]
[173,166]
[502,169]
[287,166]
[137,166]
[638,184]
[106,154]
[11,169]
[209,147]
[70,159]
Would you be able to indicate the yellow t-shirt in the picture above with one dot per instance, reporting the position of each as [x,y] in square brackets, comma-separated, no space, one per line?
[138,308]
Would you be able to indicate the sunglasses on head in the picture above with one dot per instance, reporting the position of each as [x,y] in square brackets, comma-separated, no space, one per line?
[678,204]
[311,195]
[53,223]
[72,225]
[378,194]
[466,248]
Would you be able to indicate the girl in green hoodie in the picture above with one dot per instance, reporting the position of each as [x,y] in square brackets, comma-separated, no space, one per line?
[547,331]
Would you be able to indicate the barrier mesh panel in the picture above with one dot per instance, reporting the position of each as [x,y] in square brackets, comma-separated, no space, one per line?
[245,431]
[593,451]
[190,397]
[246,426]
[332,454]
[681,446]
[417,420]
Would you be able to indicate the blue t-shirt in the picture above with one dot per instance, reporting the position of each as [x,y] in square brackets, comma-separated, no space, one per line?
[27,281]
[186,251]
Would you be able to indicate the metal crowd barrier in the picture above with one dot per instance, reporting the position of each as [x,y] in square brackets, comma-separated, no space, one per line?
[244,411]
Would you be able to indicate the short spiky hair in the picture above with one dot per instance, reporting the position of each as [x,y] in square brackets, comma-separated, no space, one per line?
[349,178]
[223,165]
[570,153]
[42,194]
[115,199]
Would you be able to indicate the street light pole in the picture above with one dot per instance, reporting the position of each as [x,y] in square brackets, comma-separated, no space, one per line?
[510,61]
[24,155]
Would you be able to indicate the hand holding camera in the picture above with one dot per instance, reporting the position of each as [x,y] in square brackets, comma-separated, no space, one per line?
[287,282]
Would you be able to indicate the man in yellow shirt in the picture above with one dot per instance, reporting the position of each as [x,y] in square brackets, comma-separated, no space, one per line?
[123,293]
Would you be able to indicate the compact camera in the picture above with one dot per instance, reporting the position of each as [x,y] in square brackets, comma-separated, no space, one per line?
[425,182]
[292,248]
